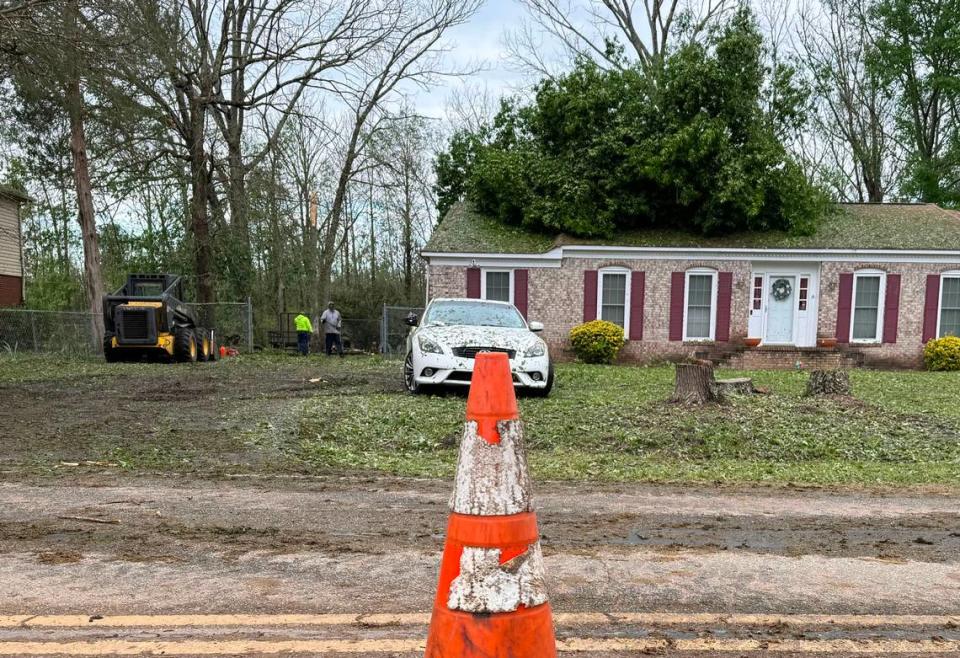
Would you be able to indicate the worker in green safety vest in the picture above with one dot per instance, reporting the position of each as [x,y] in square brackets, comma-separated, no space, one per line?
[304,332]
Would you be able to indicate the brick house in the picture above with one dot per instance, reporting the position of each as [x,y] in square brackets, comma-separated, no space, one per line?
[870,287]
[11,247]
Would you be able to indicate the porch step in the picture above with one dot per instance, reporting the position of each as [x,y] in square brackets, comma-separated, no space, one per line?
[788,358]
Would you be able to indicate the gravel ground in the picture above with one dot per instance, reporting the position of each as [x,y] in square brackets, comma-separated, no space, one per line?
[367,545]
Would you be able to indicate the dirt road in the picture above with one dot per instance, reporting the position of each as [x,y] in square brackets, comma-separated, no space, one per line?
[632,569]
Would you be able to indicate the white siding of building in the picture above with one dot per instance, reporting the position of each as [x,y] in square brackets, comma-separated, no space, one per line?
[10,264]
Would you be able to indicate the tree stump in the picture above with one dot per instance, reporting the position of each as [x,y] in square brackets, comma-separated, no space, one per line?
[694,384]
[737,386]
[829,382]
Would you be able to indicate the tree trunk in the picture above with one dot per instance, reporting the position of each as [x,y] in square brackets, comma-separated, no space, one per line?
[694,384]
[828,382]
[88,223]
[373,241]
[199,220]
[407,235]
[738,386]
[327,251]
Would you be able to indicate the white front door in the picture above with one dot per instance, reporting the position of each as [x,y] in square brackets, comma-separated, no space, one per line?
[781,303]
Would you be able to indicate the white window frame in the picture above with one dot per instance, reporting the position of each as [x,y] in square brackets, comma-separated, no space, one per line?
[702,271]
[881,301]
[626,295]
[483,281]
[953,274]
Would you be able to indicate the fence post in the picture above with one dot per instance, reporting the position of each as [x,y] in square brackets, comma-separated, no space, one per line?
[383,329]
[249,325]
[33,330]
[97,347]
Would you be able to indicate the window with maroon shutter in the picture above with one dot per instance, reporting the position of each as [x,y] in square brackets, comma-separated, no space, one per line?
[949,315]
[589,295]
[613,293]
[700,311]
[869,290]
[891,310]
[473,282]
[497,285]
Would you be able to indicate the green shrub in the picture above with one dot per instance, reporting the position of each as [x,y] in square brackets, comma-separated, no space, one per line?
[942,354]
[597,341]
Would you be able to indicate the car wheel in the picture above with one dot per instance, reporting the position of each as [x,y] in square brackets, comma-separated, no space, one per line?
[545,391]
[409,380]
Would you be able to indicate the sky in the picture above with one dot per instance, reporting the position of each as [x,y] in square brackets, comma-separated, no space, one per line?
[480,42]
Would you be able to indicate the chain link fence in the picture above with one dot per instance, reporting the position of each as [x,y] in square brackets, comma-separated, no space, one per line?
[394,329]
[73,331]
[232,322]
[47,331]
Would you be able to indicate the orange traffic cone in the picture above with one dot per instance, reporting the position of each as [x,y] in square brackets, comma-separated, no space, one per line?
[491,599]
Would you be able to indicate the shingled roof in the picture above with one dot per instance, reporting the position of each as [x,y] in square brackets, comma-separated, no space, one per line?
[893,226]
[14,194]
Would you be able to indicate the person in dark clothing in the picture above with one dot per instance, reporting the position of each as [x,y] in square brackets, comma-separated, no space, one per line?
[331,321]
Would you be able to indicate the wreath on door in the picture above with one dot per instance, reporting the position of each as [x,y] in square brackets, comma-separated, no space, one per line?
[781,289]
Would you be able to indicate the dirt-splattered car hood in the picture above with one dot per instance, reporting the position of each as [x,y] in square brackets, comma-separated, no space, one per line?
[475,336]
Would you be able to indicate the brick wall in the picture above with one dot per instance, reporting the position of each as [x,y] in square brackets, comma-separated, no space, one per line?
[11,290]
[907,352]
[556,299]
[446,281]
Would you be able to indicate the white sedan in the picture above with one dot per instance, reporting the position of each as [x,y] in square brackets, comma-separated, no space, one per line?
[442,347]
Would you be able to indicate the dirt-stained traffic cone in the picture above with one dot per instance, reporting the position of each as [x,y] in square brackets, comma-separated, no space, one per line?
[491,599]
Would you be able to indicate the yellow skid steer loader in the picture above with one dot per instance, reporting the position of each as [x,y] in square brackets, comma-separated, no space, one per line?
[146,318]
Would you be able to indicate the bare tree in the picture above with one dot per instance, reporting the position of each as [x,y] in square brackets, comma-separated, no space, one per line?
[855,115]
[275,52]
[404,167]
[591,28]
[471,107]
[407,56]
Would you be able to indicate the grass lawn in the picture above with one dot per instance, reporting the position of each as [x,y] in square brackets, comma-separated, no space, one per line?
[278,414]
[612,423]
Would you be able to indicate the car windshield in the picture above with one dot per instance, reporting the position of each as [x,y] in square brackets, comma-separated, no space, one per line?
[473,314]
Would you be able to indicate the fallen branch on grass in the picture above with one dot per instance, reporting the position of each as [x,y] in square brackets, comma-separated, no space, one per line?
[90,519]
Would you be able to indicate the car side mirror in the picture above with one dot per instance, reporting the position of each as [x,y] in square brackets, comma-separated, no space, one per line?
[411,320]
[536,326]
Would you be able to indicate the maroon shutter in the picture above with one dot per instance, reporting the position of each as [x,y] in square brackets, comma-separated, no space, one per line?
[520,291]
[637,290]
[724,302]
[677,283]
[844,307]
[891,309]
[931,307]
[473,282]
[589,295]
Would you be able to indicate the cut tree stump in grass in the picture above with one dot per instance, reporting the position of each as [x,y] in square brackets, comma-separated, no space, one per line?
[737,386]
[694,384]
[828,382]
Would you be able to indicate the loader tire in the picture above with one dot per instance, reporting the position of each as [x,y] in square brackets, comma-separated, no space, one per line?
[203,345]
[110,353]
[185,346]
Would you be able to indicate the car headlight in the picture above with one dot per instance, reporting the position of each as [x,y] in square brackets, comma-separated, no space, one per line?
[537,349]
[427,345]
